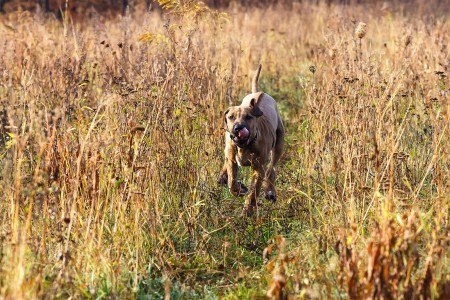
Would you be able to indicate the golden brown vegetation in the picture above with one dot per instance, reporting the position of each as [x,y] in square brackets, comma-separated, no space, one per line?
[111,141]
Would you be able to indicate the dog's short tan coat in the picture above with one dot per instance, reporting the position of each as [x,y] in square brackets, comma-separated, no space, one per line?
[254,137]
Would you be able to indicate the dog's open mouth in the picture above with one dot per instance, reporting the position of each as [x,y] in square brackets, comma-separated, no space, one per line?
[241,137]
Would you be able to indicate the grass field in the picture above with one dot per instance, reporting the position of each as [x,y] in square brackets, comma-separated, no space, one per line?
[111,141]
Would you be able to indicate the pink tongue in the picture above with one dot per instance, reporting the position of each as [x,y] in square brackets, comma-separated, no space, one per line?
[243,133]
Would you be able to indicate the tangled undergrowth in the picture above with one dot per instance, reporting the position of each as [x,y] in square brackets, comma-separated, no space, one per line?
[111,140]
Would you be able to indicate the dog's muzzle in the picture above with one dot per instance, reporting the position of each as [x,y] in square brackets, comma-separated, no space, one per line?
[240,134]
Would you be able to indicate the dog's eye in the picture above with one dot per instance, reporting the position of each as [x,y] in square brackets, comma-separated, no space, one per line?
[231,118]
[248,117]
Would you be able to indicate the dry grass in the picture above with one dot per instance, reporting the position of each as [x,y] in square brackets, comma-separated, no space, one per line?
[111,141]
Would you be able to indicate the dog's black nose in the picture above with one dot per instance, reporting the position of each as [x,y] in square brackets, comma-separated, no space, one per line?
[238,127]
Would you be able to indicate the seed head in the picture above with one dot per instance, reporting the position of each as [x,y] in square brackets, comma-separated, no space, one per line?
[361,30]
[312,69]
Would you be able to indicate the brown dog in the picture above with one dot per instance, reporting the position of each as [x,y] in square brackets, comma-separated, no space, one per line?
[254,137]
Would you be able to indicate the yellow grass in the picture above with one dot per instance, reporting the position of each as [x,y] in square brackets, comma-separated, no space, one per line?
[111,140]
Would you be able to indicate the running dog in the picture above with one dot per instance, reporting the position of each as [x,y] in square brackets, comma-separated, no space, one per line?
[254,137]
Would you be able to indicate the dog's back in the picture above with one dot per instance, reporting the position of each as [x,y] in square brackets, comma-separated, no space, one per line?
[268,106]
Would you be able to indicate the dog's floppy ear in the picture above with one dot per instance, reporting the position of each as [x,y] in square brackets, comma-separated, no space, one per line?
[225,117]
[255,109]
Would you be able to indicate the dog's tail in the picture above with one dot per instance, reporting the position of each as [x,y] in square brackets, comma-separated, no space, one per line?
[255,80]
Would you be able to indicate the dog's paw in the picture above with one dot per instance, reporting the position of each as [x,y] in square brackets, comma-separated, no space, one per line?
[239,189]
[271,195]
[222,179]
[243,189]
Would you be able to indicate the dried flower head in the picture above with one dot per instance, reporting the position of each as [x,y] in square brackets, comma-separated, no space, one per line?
[312,69]
[361,30]
[332,53]
[407,40]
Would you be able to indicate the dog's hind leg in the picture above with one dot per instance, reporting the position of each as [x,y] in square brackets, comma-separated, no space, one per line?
[255,188]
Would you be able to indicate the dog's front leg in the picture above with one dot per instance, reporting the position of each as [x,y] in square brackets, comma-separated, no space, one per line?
[269,189]
[223,176]
[235,186]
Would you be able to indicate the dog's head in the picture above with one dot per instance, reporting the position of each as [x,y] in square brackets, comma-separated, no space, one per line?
[241,122]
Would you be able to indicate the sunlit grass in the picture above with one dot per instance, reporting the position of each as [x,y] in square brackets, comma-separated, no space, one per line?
[111,141]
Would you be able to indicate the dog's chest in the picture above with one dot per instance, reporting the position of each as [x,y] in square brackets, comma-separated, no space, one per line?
[243,159]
